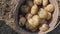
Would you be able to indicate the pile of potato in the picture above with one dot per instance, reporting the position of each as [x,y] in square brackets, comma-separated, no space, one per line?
[38,12]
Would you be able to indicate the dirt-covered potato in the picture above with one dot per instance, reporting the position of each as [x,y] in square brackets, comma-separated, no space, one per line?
[42,13]
[25,9]
[50,8]
[45,2]
[30,3]
[43,21]
[30,25]
[38,2]
[44,27]
[34,9]
[49,16]
[22,21]
[29,15]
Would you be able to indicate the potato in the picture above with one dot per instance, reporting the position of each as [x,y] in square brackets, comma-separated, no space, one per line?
[34,9]
[42,13]
[33,23]
[49,16]
[29,15]
[43,21]
[30,25]
[38,2]
[22,21]
[25,9]
[36,19]
[30,3]
[45,2]
[50,8]
[44,27]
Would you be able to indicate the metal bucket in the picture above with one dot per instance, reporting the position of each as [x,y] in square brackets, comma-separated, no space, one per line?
[52,23]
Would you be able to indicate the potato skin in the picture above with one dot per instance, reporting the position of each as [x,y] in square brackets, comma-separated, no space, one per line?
[38,2]
[50,8]
[42,13]
[25,9]
[22,21]
[30,25]
[30,3]
[45,3]
[34,9]
[36,19]
[49,16]
[29,15]
[33,23]
[44,27]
